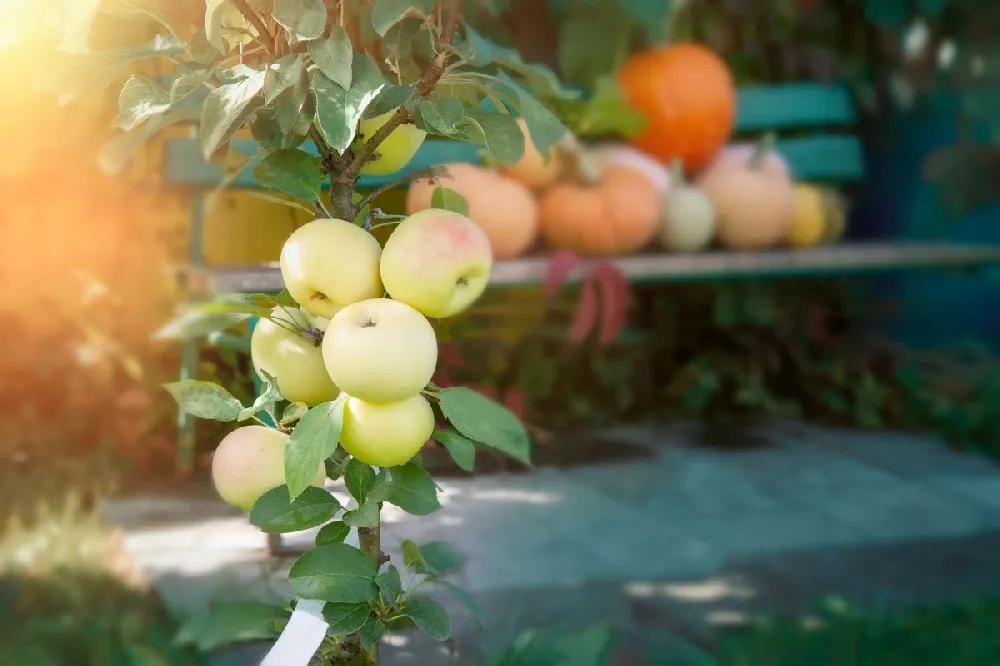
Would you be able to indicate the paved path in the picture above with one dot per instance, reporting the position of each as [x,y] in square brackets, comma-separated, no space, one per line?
[662,548]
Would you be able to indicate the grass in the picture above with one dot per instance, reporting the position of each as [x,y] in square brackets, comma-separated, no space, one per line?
[68,596]
[954,634]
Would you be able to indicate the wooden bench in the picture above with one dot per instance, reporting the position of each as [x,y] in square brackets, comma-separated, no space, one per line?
[815,123]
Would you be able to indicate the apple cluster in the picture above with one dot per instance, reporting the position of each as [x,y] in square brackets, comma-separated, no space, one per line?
[361,332]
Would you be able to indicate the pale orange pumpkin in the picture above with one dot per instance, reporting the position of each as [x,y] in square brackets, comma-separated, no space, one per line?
[753,204]
[535,170]
[504,208]
[741,152]
[612,210]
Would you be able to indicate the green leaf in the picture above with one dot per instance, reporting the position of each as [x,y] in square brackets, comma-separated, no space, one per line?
[76,22]
[359,478]
[337,110]
[463,598]
[387,13]
[303,19]
[293,412]
[370,634]
[336,464]
[345,619]
[503,136]
[231,622]
[313,441]
[429,616]
[205,400]
[461,448]
[225,110]
[447,199]
[70,76]
[545,128]
[140,98]
[281,75]
[276,513]
[334,56]
[391,98]
[442,115]
[116,153]
[592,42]
[410,488]
[335,572]
[390,585]
[269,395]
[608,112]
[197,323]
[486,421]
[334,532]
[291,171]
[267,131]
[187,83]
[411,555]
[367,515]
[439,558]
[479,48]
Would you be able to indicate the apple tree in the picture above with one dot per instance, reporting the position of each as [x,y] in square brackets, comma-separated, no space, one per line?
[330,90]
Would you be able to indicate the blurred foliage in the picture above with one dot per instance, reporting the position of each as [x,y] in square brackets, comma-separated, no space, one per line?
[727,354]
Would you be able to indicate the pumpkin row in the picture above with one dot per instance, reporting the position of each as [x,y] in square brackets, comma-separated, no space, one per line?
[616,199]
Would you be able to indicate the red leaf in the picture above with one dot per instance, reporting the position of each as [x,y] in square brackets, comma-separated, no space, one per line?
[513,399]
[450,356]
[615,298]
[586,311]
[560,267]
[443,380]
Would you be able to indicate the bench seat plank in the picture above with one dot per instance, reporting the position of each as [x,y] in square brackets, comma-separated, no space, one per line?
[653,268]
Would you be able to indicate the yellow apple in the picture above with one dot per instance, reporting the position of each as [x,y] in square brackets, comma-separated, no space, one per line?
[386,434]
[437,261]
[282,347]
[398,148]
[380,350]
[248,462]
[329,263]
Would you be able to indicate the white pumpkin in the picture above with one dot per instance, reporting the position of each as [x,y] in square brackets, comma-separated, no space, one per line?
[688,216]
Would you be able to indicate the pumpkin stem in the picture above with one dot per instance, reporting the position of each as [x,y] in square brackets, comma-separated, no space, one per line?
[587,169]
[577,163]
[677,173]
[764,146]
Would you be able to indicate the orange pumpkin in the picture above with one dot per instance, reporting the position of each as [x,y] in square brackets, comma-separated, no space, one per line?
[688,96]
[754,205]
[615,213]
[504,208]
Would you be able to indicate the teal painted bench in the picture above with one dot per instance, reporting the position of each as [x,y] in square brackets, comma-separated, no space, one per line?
[815,122]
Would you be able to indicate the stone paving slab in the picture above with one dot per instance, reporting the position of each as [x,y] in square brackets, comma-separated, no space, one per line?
[719,532]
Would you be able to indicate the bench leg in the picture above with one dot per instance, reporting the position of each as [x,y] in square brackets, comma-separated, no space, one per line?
[186,422]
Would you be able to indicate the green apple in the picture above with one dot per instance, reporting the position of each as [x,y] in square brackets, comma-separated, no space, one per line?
[380,350]
[248,462]
[437,261]
[329,263]
[283,347]
[386,434]
[398,148]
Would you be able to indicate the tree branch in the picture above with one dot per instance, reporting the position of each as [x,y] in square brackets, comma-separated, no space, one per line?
[257,23]
[425,85]
[432,172]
